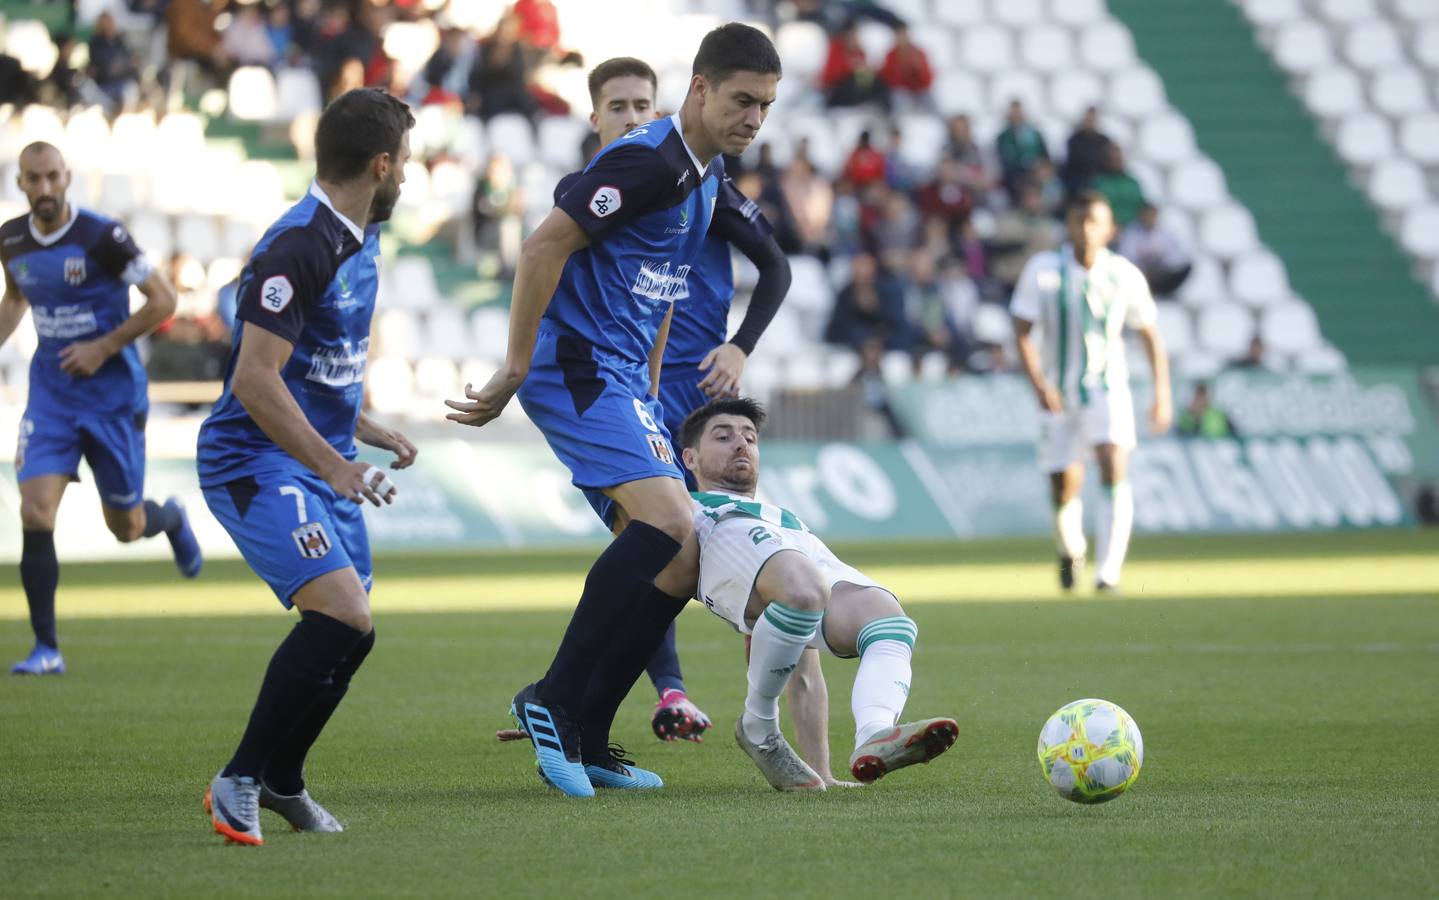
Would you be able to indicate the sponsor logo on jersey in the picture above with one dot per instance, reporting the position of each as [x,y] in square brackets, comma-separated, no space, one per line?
[607,200]
[657,282]
[63,322]
[661,448]
[685,176]
[75,271]
[339,367]
[276,293]
[22,273]
[311,540]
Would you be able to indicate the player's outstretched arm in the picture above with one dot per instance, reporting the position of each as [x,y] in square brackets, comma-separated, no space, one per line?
[258,386]
[368,431]
[542,259]
[12,308]
[724,365]
[84,358]
[808,697]
[1161,414]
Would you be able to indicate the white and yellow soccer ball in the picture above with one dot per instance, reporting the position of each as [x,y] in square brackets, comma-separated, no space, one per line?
[1090,751]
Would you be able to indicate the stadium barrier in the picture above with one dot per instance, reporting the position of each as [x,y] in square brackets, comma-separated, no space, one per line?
[1346,451]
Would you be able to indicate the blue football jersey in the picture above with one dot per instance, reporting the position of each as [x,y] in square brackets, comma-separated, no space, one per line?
[646,204]
[701,320]
[312,280]
[77,281]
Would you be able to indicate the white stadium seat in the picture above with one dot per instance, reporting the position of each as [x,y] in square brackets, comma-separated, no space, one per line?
[1071,93]
[1201,365]
[1420,232]
[1258,279]
[152,233]
[512,135]
[896,367]
[1320,360]
[120,194]
[1397,184]
[1226,329]
[1178,222]
[199,237]
[1018,14]
[1020,85]
[436,380]
[1166,139]
[447,333]
[1228,231]
[1419,137]
[826,153]
[1047,48]
[1136,93]
[924,139]
[1106,46]
[803,46]
[914,12]
[1077,13]
[252,94]
[390,385]
[938,44]
[1198,184]
[1290,327]
[297,93]
[1270,13]
[1150,179]
[1426,45]
[1177,327]
[809,289]
[986,48]
[560,139]
[958,92]
[960,13]
[1416,10]
[1373,45]
[1334,91]
[1399,91]
[1347,12]
[397,332]
[415,283]
[1205,284]
[804,371]
[876,40]
[1364,139]
[1302,46]
[489,332]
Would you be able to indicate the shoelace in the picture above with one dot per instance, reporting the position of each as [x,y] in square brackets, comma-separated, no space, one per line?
[247,799]
[618,754]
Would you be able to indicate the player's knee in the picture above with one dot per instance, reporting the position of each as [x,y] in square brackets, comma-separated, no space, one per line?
[36,516]
[806,594]
[126,531]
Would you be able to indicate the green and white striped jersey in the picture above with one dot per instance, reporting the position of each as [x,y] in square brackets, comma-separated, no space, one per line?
[1080,315]
[716,506]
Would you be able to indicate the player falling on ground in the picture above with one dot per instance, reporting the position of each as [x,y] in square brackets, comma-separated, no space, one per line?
[614,255]
[766,574]
[277,455]
[698,362]
[88,390]
[1081,297]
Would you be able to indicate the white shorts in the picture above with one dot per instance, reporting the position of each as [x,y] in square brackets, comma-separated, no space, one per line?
[1064,438]
[733,551]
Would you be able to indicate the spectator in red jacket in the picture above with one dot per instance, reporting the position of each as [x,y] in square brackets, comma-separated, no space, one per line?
[847,78]
[866,164]
[907,73]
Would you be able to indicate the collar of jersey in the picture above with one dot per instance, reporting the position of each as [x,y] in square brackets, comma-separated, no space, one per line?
[679,130]
[319,194]
[1067,257]
[53,237]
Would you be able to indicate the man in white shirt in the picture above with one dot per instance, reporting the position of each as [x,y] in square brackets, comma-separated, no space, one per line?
[1156,252]
[1077,300]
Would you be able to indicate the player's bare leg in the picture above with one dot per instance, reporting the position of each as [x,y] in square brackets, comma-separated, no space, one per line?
[1116,516]
[1064,490]
[40,571]
[149,519]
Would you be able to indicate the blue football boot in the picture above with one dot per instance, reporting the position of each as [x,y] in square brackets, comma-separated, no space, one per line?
[616,771]
[42,660]
[182,541]
[556,740]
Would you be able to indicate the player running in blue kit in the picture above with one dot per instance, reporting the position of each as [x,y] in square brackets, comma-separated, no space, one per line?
[277,454]
[595,284]
[88,391]
[698,362]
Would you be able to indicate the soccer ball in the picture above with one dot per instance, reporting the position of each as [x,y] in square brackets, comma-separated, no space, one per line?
[1090,751]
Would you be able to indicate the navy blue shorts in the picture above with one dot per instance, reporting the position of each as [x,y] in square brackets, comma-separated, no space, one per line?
[597,414]
[52,443]
[292,528]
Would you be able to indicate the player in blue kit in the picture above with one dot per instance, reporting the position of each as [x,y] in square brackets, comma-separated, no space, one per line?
[595,284]
[277,455]
[88,391]
[698,363]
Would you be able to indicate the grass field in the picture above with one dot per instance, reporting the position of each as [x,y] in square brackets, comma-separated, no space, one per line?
[1285,687]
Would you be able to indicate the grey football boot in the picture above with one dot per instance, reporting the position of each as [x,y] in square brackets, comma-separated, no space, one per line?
[301,810]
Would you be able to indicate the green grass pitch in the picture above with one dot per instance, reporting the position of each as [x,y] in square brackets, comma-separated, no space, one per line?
[1285,687]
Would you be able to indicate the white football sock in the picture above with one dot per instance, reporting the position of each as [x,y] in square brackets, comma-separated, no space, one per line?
[1069,529]
[780,636]
[1116,521]
[881,686]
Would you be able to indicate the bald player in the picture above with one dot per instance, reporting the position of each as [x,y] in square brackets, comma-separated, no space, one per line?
[88,392]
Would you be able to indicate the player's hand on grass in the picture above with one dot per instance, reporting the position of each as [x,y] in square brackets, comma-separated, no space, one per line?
[487,403]
[84,358]
[725,365]
[1051,399]
[360,481]
[391,440]
[831,782]
[1161,414]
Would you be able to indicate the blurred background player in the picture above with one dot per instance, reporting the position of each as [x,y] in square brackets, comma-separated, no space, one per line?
[698,362]
[634,223]
[277,455]
[766,574]
[1081,297]
[88,391]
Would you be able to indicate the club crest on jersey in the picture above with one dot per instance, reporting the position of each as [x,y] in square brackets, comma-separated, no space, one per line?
[661,449]
[75,271]
[311,540]
[606,200]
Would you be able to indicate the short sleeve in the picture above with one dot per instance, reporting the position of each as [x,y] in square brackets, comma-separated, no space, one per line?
[1027,304]
[119,257]
[737,219]
[563,187]
[285,281]
[618,187]
[1140,311]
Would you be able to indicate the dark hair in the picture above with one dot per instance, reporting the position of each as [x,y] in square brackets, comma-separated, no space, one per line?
[619,67]
[1082,201]
[694,427]
[356,127]
[732,48]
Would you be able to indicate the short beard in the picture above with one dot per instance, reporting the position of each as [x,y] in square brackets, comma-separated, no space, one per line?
[746,486]
[56,207]
[383,205]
